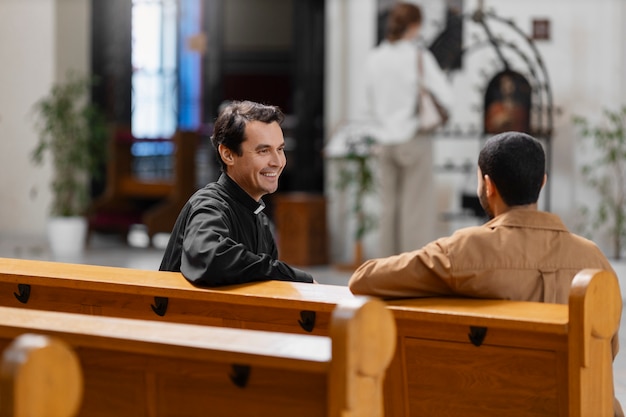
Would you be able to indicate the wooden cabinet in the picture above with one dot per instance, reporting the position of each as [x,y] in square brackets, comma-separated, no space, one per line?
[155,202]
[301,228]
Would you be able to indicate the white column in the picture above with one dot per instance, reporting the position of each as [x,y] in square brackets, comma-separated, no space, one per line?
[41,39]
[350,34]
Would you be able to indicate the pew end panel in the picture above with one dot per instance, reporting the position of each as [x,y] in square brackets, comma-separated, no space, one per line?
[364,337]
[40,376]
[595,308]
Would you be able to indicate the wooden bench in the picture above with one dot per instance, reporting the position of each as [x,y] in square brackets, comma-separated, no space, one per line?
[455,356]
[145,368]
[39,376]
[126,196]
[166,296]
[497,357]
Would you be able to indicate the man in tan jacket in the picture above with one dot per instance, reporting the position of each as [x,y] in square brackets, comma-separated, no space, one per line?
[522,253]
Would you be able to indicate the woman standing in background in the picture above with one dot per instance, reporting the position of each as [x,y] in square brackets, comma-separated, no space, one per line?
[408,215]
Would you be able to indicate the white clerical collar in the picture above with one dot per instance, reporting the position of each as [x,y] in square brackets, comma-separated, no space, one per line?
[260,208]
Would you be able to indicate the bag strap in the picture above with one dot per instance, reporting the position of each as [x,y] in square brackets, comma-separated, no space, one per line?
[422,91]
[420,69]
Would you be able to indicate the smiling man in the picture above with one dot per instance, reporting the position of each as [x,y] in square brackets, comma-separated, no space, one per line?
[222,236]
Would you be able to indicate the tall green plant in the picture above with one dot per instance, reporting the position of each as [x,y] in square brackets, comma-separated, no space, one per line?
[72,131]
[356,174]
[607,174]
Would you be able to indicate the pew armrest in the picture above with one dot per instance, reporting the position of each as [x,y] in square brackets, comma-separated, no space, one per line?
[363,332]
[595,308]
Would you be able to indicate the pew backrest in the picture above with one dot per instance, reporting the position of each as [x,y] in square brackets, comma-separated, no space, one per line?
[139,367]
[166,296]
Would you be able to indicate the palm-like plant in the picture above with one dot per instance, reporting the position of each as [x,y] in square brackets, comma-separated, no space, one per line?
[607,174]
[358,175]
[72,131]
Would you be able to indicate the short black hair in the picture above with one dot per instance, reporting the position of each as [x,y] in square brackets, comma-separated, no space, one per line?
[230,126]
[516,163]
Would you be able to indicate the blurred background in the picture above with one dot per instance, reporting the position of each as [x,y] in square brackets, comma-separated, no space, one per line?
[164,67]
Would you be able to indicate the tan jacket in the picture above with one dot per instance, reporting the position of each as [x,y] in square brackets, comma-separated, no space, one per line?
[523,254]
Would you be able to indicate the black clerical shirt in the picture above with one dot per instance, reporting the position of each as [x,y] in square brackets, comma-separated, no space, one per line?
[222,237]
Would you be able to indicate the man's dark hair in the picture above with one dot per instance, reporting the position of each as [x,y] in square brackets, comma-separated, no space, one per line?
[516,163]
[400,17]
[231,123]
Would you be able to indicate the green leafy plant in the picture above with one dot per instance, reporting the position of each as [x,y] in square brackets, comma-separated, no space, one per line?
[72,132]
[356,173]
[607,174]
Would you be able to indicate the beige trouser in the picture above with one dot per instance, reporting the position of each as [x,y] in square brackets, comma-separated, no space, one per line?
[408,208]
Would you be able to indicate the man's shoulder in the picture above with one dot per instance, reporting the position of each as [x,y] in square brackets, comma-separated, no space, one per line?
[462,239]
[211,195]
[584,242]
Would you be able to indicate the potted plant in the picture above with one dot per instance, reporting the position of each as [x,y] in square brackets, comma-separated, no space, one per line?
[357,176]
[72,133]
[607,174]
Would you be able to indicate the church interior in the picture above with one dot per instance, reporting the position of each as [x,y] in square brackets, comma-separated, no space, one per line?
[164,68]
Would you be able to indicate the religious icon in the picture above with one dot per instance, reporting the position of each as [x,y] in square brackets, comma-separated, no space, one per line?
[507,103]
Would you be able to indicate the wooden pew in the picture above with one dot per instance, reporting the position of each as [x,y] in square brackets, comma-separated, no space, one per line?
[39,376]
[145,368]
[166,296]
[497,357]
[509,358]
[155,202]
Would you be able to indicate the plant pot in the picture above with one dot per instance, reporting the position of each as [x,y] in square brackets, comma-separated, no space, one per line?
[67,236]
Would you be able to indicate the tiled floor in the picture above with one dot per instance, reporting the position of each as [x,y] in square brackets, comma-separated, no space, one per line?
[112,251]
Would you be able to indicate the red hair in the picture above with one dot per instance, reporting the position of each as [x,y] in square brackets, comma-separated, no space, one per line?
[401,16]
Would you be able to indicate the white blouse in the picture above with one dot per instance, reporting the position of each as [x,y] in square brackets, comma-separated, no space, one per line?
[392,89]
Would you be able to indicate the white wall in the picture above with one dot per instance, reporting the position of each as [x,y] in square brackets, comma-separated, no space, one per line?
[585,60]
[350,33]
[27,70]
[622,19]
[73,36]
[39,40]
